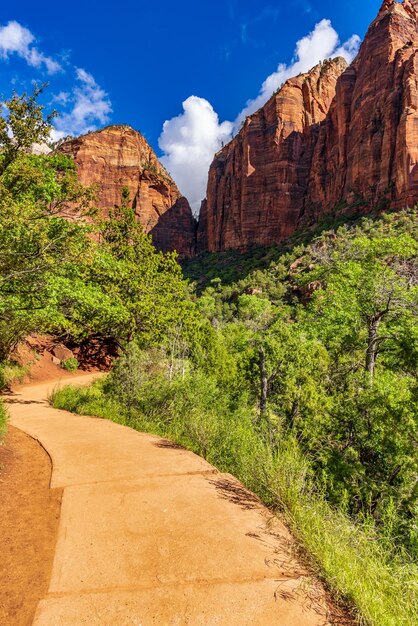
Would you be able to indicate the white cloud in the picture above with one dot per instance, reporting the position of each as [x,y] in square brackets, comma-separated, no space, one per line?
[322,43]
[349,49]
[85,107]
[16,39]
[189,142]
[62,98]
[90,107]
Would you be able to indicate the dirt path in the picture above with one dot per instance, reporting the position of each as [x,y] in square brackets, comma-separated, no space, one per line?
[150,534]
[29,517]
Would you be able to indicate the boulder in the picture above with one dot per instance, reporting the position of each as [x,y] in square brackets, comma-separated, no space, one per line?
[62,353]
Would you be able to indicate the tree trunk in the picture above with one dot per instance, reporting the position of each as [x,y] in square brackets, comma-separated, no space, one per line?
[263,382]
[372,347]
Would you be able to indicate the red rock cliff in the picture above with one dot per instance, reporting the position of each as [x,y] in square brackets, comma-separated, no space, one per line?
[119,156]
[331,138]
[367,151]
[257,183]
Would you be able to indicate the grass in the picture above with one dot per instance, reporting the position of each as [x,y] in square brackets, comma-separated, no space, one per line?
[359,570]
[11,372]
[3,420]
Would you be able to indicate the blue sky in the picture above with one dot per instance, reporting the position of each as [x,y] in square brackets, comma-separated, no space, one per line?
[137,62]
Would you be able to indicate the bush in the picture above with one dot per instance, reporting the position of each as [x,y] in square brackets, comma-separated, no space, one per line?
[70,365]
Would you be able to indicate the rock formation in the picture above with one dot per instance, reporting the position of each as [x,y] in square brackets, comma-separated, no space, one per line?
[118,157]
[367,152]
[332,139]
[257,183]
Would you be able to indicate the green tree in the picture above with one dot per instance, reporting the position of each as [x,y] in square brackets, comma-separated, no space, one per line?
[148,285]
[23,124]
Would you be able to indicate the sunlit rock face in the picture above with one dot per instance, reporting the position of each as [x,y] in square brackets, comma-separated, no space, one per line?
[334,139]
[119,157]
[367,151]
[257,183]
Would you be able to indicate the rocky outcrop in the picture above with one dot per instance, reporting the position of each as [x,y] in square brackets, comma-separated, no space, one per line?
[333,139]
[119,157]
[257,183]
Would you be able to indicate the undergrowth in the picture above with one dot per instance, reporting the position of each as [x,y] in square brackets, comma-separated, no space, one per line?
[11,372]
[358,567]
[3,420]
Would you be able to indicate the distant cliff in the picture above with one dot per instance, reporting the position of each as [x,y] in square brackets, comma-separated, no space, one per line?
[118,157]
[333,139]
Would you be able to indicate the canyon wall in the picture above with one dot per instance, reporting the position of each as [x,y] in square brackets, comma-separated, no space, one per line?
[118,157]
[334,139]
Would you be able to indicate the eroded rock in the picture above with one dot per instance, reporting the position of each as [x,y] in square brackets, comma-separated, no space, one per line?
[333,140]
[119,157]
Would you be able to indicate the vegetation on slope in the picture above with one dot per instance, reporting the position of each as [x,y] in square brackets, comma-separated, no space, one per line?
[65,270]
[304,386]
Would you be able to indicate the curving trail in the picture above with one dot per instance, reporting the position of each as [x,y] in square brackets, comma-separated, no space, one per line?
[150,534]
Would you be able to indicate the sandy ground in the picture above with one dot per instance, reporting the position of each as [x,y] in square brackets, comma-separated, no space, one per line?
[149,534]
[29,519]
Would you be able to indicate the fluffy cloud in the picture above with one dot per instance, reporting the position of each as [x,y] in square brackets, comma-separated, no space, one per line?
[189,142]
[16,39]
[84,106]
[89,104]
[322,43]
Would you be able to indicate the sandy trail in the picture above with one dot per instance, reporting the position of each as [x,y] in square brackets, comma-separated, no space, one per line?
[150,534]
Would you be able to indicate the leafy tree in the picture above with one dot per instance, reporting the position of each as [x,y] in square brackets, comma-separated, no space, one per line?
[36,242]
[147,284]
[23,124]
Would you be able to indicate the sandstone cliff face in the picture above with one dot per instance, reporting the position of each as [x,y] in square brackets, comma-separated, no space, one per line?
[257,182]
[367,151]
[329,139]
[118,157]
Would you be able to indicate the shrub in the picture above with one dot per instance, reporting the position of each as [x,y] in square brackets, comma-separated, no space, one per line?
[70,365]
[11,372]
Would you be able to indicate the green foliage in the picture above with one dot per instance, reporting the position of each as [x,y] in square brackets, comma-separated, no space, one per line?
[3,420]
[37,245]
[146,285]
[70,365]
[22,125]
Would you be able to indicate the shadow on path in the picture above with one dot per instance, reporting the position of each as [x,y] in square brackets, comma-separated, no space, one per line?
[234,492]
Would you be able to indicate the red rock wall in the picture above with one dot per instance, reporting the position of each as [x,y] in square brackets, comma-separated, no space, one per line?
[118,157]
[257,183]
[330,138]
[367,151]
